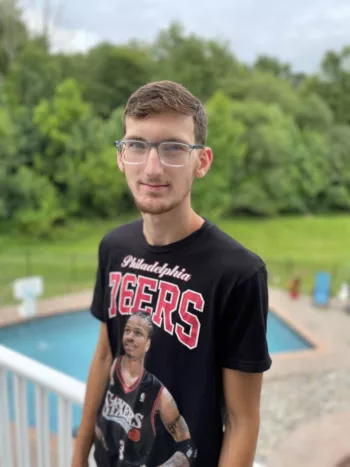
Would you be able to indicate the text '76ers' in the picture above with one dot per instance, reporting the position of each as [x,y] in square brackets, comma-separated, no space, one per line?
[130,293]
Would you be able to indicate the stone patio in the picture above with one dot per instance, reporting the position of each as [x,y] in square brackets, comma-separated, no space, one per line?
[305,404]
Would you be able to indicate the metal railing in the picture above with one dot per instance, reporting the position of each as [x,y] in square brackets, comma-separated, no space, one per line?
[17,451]
[45,379]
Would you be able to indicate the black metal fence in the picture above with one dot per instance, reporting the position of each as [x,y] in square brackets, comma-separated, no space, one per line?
[67,273]
[61,273]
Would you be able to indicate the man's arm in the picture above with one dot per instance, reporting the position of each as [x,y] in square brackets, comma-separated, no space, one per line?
[96,383]
[242,396]
[177,427]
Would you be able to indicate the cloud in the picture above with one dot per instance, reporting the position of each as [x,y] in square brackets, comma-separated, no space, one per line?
[299,32]
[62,39]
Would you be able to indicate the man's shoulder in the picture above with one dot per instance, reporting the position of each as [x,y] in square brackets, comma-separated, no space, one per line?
[233,256]
[150,380]
[120,234]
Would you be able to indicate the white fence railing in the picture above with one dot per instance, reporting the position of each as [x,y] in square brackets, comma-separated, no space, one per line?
[16,439]
[16,444]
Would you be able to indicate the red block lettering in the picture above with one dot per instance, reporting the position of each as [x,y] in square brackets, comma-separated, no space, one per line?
[189,339]
[166,306]
[114,282]
[126,295]
[142,296]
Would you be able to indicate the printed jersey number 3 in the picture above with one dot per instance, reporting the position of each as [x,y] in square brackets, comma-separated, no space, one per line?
[121,450]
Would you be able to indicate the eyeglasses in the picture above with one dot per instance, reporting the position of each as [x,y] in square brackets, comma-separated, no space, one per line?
[170,153]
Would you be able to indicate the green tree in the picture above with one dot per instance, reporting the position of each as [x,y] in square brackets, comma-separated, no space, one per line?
[313,113]
[69,132]
[111,74]
[13,33]
[213,194]
[26,197]
[278,69]
[332,83]
[273,66]
[104,192]
[33,75]
[8,162]
[201,65]
[264,87]
[37,206]
[312,164]
[337,196]
[265,184]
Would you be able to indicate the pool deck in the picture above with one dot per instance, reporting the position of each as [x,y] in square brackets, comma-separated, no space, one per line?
[305,404]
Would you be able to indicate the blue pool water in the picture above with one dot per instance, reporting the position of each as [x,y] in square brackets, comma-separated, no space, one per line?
[67,343]
[281,337]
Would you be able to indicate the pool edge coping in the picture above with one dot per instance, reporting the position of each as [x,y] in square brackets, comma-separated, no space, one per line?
[318,346]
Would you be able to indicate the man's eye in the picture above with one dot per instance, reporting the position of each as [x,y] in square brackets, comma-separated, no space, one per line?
[136,145]
[175,148]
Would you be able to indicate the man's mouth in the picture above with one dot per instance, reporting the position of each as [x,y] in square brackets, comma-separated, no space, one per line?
[130,346]
[154,186]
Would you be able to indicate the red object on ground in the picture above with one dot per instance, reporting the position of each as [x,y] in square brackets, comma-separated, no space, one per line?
[294,294]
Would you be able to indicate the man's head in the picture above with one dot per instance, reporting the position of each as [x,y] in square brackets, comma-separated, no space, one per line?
[137,334]
[163,112]
[163,97]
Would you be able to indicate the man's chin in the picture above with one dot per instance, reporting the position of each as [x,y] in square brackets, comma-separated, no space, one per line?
[156,205]
[129,355]
[154,208]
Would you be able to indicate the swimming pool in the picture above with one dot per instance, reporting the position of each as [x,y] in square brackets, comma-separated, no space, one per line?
[67,342]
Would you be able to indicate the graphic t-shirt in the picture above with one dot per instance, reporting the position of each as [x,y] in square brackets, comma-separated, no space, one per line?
[207,298]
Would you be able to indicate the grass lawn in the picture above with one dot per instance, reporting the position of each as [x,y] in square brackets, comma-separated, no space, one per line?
[288,245]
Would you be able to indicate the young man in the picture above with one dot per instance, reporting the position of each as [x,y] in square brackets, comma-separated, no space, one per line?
[206,294]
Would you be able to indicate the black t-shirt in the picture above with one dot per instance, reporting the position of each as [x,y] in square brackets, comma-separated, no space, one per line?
[208,298]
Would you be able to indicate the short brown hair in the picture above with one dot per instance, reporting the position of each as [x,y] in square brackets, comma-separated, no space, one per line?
[165,96]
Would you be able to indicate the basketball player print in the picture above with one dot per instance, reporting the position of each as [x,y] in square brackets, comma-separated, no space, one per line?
[126,424]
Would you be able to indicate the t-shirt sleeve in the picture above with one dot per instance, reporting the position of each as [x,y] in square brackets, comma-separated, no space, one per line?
[243,342]
[97,306]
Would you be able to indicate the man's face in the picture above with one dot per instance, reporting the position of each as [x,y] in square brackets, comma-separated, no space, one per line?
[158,188]
[135,338]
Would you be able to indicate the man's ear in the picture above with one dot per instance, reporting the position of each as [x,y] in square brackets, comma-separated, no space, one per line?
[204,161]
[120,162]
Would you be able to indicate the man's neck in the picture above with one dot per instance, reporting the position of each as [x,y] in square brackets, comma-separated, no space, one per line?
[171,226]
[133,367]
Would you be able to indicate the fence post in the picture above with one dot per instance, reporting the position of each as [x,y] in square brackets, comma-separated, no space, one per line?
[289,269]
[28,264]
[334,280]
[73,271]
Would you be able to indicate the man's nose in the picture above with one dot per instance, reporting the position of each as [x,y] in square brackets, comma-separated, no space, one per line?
[153,164]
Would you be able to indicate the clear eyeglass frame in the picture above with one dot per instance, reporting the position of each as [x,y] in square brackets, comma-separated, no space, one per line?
[120,143]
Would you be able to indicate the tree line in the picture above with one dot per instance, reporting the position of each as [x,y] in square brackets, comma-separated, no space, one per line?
[281,139]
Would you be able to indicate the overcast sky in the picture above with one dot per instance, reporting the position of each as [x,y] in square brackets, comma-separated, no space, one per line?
[297,31]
